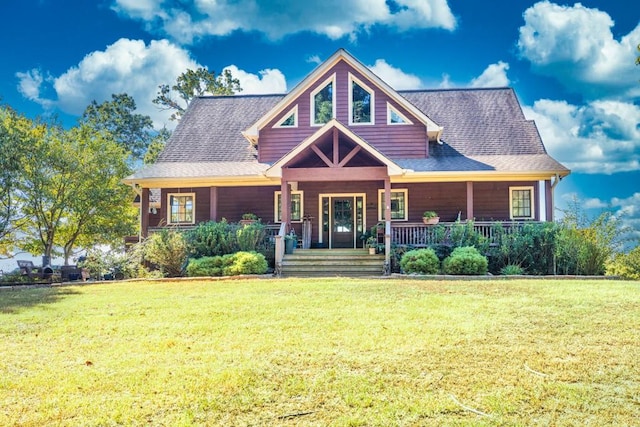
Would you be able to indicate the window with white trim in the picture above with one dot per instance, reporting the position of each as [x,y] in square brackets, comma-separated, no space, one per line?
[323,102]
[361,102]
[399,205]
[395,117]
[290,119]
[181,208]
[521,203]
[297,207]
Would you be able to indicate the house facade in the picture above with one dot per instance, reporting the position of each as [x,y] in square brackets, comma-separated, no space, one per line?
[343,151]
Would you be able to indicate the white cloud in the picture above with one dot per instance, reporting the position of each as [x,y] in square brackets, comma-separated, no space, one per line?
[335,19]
[395,77]
[135,68]
[30,86]
[575,45]
[268,82]
[314,59]
[495,75]
[600,137]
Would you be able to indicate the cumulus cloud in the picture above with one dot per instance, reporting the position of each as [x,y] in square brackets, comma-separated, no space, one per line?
[599,137]
[395,77]
[575,45]
[267,82]
[195,19]
[495,75]
[133,67]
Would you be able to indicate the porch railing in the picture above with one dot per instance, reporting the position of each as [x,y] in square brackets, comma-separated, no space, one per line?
[421,235]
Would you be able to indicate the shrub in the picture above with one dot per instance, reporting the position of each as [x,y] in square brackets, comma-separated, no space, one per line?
[465,260]
[465,234]
[421,261]
[228,265]
[250,237]
[626,266]
[532,247]
[168,250]
[212,239]
[512,270]
[246,263]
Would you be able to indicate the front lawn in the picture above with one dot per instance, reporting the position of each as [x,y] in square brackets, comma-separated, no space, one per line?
[322,352]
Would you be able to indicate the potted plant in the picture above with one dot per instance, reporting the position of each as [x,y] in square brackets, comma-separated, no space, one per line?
[248,218]
[290,242]
[372,244]
[430,218]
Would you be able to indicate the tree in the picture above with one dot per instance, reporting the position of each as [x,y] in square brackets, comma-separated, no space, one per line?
[130,130]
[191,84]
[72,193]
[156,146]
[17,135]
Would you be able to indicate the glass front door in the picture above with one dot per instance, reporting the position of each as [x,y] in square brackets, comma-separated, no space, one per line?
[342,220]
[342,229]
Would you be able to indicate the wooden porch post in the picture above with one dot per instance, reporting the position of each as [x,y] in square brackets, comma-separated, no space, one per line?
[549,199]
[285,208]
[387,224]
[213,203]
[144,213]
[469,200]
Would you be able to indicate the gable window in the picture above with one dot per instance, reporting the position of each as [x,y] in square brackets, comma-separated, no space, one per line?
[323,102]
[395,117]
[290,119]
[521,202]
[361,102]
[181,208]
[296,206]
[399,201]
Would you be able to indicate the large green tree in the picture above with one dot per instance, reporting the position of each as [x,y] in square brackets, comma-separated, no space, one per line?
[117,117]
[17,135]
[191,84]
[72,194]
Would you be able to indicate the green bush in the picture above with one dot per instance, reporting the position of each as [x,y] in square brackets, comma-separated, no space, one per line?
[512,270]
[626,266]
[251,237]
[228,265]
[421,261]
[212,239]
[247,263]
[532,247]
[168,250]
[465,260]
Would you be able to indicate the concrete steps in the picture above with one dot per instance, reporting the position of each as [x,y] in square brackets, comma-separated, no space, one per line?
[332,263]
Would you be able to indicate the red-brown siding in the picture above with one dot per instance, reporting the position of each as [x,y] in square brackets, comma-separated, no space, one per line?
[396,141]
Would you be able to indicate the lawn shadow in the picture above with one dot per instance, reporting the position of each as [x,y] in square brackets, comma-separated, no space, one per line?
[15,300]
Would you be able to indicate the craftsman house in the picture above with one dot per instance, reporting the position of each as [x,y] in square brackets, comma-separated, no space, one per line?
[343,151]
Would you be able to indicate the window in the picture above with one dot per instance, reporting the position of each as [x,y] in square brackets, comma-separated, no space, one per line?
[323,103]
[181,208]
[398,205]
[296,206]
[394,117]
[521,202]
[361,102]
[290,119]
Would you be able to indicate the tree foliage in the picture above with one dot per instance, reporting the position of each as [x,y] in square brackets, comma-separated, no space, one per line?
[191,84]
[156,146]
[117,117]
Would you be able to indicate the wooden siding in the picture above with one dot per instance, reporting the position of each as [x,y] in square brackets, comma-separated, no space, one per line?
[394,141]
[491,201]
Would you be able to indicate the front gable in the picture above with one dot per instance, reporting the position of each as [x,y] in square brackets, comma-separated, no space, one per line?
[344,89]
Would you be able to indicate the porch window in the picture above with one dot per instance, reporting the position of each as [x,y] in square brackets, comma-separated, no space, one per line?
[297,198]
[361,102]
[521,202]
[181,208]
[323,102]
[395,117]
[399,209]
[290,119]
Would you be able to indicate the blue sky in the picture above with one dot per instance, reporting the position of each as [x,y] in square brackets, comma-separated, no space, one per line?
[571,64]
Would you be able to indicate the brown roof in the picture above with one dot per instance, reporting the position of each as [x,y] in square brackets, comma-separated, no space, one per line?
[484,130]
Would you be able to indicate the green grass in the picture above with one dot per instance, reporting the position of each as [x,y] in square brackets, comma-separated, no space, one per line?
[341,352]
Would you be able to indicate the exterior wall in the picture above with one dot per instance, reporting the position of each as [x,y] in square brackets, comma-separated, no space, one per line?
[395,141]
[491,199]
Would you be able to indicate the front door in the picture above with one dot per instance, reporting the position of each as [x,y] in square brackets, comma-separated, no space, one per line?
[343,224]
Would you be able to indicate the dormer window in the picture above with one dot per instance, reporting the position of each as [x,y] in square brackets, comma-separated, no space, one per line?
[323,102]
[395,117]
[361,102]
[290,119]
